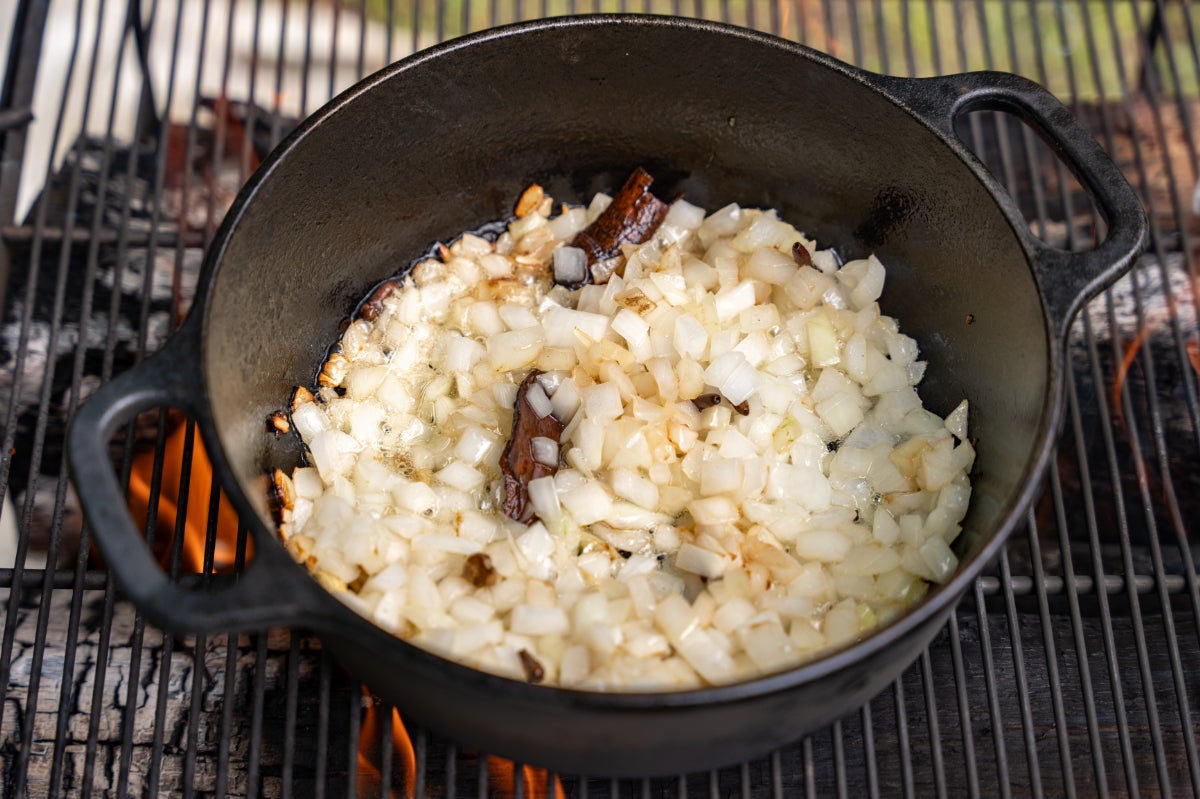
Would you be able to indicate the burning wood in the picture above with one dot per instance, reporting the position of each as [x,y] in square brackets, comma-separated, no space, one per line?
[382,727]
[191,482]
[1193,351]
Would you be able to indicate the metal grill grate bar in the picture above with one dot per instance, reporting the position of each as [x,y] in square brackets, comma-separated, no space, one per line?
[1168,615]
[1105,560]
[6,647]
[1055,683]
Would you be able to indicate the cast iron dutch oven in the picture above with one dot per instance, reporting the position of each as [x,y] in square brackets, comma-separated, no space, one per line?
[443,142]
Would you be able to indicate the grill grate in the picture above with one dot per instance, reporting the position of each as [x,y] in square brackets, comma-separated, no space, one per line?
[1070,669]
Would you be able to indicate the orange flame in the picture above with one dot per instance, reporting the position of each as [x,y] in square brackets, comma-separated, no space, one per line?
[813,14]
[233,131]
[502,780]
[403,771]
[196,521]
[374,732]
[1147,476]
[1131,352]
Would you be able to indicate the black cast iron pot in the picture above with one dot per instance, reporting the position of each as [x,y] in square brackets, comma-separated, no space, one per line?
[444,141]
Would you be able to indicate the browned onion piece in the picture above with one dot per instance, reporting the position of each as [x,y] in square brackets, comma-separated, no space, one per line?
[373,306]
[517,461]
[631,218]
[478,570]
[280,495]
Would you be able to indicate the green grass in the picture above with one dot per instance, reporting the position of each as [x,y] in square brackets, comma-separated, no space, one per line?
[1048,39]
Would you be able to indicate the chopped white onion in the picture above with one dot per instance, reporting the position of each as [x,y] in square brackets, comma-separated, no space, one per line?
[570,265]
[535,621]
[517,317]
[956,422]
[538,401]
[732,301]
[560,325]
[692,558]
[639,490]
[691,337]
[446,543]
[745,473]
[543,495]
[545,450]
[589,503]
[682,218]
[515,349]
[602,402]
[633,329]
[309,420]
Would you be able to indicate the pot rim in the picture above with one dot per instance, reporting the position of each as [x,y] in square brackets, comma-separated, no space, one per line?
[330,614]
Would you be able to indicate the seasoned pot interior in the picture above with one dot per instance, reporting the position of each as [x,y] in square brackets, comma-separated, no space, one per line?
[446,143]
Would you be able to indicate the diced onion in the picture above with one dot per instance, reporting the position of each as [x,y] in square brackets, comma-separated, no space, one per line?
[745,474]
[543,495]
[461,476]
[531,620]
[570,265]
[956,421]
[588,503]
[692,558]
[545,450]
[561,324]
[538,401]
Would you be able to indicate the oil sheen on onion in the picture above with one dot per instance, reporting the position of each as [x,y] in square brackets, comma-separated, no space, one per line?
[745,475]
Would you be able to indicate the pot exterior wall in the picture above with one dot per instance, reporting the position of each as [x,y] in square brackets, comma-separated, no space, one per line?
[557,732]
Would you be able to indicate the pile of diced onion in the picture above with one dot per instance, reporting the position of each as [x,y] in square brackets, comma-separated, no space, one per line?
[675,547]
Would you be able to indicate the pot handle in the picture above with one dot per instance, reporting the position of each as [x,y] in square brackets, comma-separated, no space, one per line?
[256,600]
[1066,279]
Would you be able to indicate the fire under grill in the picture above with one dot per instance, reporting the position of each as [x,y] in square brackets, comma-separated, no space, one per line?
[1072,667]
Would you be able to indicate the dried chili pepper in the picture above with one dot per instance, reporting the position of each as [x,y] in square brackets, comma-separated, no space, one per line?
[631,218]
[517,461]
